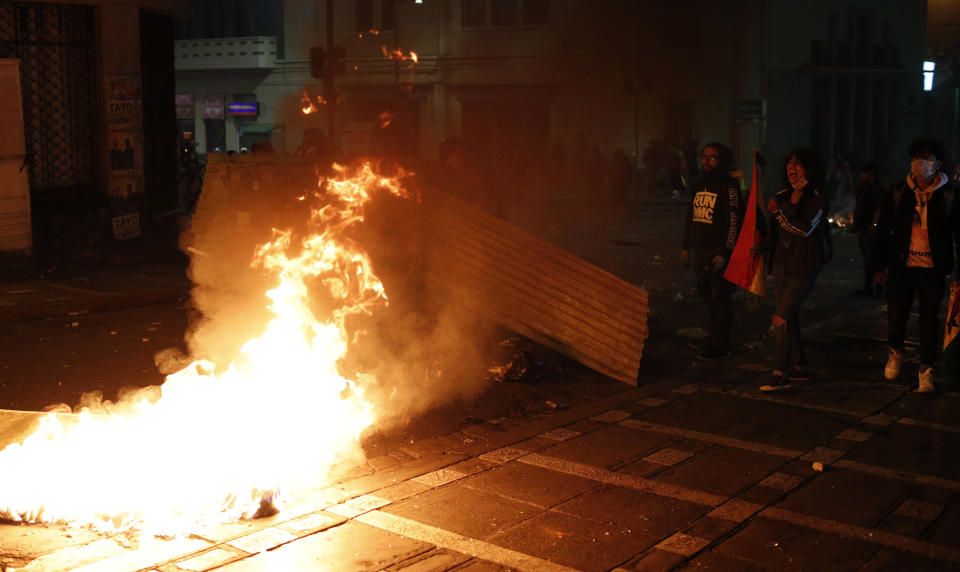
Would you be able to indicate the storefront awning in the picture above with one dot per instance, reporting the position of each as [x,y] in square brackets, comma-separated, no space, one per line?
[262,128]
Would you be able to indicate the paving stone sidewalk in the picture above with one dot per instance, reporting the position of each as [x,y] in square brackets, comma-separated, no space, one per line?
[697,472]
[693,470]
[88,290]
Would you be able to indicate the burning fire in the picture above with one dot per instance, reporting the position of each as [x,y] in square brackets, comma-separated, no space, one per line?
[400,55]
[223,443]
[307,105]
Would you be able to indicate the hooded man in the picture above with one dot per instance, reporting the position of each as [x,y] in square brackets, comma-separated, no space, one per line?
[709,235]
[914,252]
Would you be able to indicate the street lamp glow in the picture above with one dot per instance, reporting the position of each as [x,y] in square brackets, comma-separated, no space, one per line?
[928,69]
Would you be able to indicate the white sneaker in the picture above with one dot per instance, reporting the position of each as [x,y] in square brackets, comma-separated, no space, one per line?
[891,371]
[926,380]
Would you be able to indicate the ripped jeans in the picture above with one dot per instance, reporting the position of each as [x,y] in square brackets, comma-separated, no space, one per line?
[791,290]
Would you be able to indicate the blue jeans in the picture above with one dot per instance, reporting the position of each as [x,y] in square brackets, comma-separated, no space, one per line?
[791,290]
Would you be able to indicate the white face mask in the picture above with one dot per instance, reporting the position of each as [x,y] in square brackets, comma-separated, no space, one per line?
[922,169]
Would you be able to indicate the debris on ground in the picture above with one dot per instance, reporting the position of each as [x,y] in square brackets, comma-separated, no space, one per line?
[693,333]
[528,362]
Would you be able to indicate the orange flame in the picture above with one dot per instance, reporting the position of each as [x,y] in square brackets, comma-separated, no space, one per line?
[306,104]
[309,106]
[399,55]
[385,118]
[220,442]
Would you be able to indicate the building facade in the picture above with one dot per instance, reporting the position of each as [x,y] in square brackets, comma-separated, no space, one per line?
[518,80]
[95,85]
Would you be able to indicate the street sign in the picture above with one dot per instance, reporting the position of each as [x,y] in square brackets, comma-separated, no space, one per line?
[747,111]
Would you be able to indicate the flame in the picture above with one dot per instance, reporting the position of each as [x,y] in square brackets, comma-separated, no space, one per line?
[220,443]
[399,55]
[306,104]
[384,119]
[309,106]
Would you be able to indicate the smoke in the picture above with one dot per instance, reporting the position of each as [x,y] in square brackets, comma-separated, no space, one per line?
[425,349]
[419,350]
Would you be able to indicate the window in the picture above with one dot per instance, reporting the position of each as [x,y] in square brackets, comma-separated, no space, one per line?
[504,12]
[388,14]
[536,12]
[364,15]
[500,13]
[473,13]
[375,15]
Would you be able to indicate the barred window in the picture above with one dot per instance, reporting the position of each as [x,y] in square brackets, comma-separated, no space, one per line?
[503,13]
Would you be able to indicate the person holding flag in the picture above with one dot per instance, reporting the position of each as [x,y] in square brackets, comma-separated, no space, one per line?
[709,235]
[746,266]
[800,246]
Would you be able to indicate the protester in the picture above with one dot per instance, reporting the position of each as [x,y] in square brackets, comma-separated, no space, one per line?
[865,214]
[799,246]
[839,185]
[914,252]
[710,232]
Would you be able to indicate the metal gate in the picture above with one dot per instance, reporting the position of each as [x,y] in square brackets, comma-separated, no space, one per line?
[54,44]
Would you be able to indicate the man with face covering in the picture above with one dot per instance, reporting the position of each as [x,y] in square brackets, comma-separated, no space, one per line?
[914,252]
[710,232]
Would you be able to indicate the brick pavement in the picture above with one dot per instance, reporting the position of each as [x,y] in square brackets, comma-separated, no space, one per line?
[702,474]
[696,470]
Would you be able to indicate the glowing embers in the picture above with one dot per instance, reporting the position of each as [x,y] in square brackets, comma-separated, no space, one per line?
[223,442]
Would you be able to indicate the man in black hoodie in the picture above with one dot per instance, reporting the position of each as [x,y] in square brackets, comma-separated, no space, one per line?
[709,235]
[914,252]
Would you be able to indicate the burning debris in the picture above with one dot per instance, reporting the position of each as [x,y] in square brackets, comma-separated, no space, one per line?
[527,363]
[221,441]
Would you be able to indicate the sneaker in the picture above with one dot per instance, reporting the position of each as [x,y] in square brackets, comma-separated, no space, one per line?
[800,373]
[712,354]
[891,371]
[779,383]
[926,380]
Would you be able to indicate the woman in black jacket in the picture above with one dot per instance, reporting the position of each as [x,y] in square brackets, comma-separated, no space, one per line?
[799,246]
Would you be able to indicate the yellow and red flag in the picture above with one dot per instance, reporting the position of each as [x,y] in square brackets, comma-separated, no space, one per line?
[745,268]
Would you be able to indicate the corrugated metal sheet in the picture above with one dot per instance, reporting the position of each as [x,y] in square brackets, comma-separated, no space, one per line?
[485,264]
[536,289]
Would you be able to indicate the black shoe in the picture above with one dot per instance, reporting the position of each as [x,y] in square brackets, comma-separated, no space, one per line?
[713,354]
[800,373]
[778,383]
[695,345]
[868,292]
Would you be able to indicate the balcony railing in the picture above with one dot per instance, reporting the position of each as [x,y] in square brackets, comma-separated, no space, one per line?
[252,52]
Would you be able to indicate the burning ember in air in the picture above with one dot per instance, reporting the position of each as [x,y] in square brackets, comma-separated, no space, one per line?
[221,442]
[400,55]
[310,105]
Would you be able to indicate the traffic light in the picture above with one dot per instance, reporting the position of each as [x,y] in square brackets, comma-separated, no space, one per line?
[318,59]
